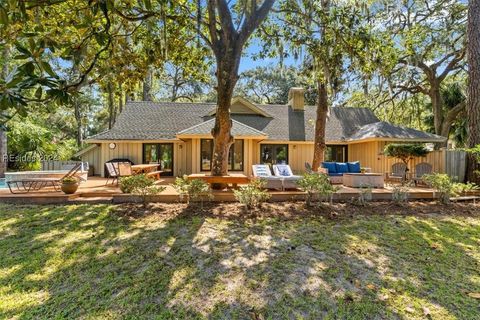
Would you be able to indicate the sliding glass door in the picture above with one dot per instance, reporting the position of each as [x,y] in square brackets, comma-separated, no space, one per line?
[161,153]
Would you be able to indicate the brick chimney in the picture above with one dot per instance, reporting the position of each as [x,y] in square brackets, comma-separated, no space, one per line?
[296,99]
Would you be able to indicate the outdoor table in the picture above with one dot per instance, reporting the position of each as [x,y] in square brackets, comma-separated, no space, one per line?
[144,168]
[358,180]
[234,179]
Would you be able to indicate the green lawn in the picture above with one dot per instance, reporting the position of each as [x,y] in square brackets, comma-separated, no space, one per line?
[83,261]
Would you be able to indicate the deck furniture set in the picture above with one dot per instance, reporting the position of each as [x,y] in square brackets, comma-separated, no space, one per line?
[26,185]
[116,170]
[279,177]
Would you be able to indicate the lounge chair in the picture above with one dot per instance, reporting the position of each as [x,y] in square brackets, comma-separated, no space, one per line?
[421,169]
[35,184]
[263,172]
[112,172]
[285,172]
[398,172]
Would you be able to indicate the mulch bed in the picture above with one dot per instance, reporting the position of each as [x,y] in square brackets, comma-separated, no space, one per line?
[295,210]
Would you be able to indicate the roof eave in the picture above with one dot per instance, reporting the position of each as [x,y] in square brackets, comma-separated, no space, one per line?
[390,139]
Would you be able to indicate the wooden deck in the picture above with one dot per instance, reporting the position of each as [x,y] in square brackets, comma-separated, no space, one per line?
[95,191]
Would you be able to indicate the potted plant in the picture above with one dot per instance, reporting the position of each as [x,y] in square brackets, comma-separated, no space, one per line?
[69,185]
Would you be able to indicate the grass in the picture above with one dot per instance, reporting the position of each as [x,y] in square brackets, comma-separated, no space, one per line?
[104,262]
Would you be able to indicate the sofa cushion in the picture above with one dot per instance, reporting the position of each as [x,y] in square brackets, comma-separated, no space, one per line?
[330,166]
[262,171]
[342,167]
[354,167]
[283,170]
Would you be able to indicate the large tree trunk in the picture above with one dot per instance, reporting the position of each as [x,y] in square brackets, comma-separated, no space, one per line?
[111,106]
[147,85]
[441,128]
[227,76]
[227,44]
[78,120]
[3,153]
[320,125]
[437,106]
[3,133]
[473,98]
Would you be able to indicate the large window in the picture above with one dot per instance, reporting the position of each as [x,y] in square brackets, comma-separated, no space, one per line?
[336,153]
[161,153]
[235,155]
[274,153]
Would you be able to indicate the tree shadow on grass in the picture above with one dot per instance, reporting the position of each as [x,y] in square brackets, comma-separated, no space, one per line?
[92,262]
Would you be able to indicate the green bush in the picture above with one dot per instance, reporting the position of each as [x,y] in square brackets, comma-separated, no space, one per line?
[400,192]
[316,186]
[443,184]
[193,190]
[365,194]
[464,188]
[140,185]
[253,194]
[475,152]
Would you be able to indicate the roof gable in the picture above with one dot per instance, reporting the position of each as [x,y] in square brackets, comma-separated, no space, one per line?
[205,128]
[241,105]
[387,130]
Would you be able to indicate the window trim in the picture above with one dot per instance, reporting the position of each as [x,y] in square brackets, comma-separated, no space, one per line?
[345,148]
[274,145]
[211,153]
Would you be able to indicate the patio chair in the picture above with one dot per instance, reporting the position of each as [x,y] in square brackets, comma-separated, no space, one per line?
[34,184]
[112,172]
[124,169]
[421,169]
[285,172]
[398,173]
[263,172]
[83,169]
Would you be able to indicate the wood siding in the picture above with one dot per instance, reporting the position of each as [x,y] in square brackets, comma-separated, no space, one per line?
[370,154]
[187,156]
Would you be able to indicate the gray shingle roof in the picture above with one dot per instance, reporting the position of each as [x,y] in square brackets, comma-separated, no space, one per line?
[164,120]
[387,130]
[238,129]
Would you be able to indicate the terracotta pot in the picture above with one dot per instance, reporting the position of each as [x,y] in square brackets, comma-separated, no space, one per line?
[69,188]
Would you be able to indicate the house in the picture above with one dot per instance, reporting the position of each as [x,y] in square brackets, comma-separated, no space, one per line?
[177,135]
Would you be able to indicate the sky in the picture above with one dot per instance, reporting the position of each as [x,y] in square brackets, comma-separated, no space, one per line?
[248,62]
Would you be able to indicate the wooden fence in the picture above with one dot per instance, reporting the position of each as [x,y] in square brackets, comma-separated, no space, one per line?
[451,162]
[456,164]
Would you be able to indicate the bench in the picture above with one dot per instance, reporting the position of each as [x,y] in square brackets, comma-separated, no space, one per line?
[233,179]
[154,174]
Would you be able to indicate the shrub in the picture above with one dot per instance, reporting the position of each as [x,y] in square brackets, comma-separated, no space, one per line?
[365,194]
[69,179]
[443,184]
[464,188]
[253,194]
[475,152]
[316,185]
[193,190]
[140,185]
[400,192]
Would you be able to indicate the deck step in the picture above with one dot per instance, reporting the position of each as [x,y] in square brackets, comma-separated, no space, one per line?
[91,200]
